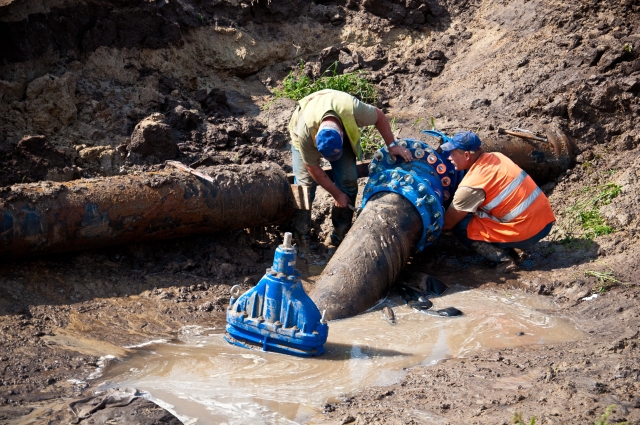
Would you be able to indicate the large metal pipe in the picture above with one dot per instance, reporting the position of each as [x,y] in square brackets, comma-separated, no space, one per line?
[50,217]
[543,161]
[371,255]
[368,261]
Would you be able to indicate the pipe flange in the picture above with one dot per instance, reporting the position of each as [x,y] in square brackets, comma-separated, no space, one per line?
[428,182]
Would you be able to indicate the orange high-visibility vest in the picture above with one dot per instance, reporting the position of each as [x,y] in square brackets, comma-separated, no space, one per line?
[514,209]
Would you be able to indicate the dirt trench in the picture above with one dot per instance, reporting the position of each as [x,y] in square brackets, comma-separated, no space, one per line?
[99,88]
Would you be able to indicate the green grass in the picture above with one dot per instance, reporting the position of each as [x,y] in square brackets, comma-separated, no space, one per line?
[605,416]
[297,85]
[517,419]
[371,140]
[606,280]
[585,215]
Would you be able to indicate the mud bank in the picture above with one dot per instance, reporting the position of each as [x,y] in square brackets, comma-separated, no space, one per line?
[99,89]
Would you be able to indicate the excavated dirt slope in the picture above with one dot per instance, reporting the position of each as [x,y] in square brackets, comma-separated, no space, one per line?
[99,88]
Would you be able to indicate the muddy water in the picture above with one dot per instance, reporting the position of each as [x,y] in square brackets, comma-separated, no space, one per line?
[204,380]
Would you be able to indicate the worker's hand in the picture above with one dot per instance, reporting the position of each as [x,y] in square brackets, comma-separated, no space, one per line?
[402,152]
[341,201]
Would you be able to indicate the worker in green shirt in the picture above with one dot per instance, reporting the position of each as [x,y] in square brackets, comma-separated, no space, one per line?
[326,124]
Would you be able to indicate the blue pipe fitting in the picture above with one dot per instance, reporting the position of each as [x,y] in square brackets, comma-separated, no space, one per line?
[277,314]
[428,182]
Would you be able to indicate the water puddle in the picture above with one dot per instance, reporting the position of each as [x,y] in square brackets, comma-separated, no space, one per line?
[205,380]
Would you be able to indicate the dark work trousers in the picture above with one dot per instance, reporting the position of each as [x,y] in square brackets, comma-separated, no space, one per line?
[460,231]
[345,177]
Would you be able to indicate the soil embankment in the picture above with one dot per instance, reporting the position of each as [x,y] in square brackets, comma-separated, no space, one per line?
[99,88]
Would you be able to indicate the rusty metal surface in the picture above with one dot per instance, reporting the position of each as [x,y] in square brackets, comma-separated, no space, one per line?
[543,161]
[369,259]
[52,217]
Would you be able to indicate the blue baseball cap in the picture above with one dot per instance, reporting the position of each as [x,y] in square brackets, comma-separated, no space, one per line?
[465,140]
[329,144]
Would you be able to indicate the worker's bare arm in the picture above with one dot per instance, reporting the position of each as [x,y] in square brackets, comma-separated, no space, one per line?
[452,217]
[384,128]
[340,198]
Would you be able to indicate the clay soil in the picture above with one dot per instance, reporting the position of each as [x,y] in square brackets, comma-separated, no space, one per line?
[97,88]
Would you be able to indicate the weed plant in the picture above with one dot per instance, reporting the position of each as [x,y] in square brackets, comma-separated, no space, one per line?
[585,213]
[606,280]
[297,85]
[517,419]
[605,416]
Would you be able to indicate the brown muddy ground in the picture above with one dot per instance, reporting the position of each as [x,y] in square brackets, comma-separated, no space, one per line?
[108,88]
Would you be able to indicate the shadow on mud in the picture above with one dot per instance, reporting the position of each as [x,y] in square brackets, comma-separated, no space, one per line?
[447,260]
[198,262]
[336,351]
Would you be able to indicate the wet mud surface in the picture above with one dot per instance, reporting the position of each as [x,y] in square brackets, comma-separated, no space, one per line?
[98,89]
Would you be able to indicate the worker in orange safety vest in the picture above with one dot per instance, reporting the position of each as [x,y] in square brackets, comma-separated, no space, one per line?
[497,206]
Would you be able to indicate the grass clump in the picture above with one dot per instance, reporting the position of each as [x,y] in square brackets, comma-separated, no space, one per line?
[371,140]
[297,85]
[517,419]
[606,280]
[585,213]
[605,416]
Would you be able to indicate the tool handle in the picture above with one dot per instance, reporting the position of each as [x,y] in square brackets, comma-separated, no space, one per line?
[522,135]
[187,169]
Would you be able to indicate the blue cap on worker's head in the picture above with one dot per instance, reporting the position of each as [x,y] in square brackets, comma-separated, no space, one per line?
[329,144]
[465,140]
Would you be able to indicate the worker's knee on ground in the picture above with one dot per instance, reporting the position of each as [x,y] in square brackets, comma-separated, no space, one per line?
[490,251]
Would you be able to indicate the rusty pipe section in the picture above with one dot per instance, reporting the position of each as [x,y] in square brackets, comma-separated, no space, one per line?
[50,217]
[543,161]
[369,258]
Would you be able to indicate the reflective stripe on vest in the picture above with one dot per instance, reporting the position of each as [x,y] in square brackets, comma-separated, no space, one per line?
[486,210]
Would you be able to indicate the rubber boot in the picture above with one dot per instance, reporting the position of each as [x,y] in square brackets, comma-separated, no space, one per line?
[302,230]
[496,254]
[518,255]
[341,219]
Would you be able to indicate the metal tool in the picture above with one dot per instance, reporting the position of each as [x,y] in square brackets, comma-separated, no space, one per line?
[355,210]
[186,168]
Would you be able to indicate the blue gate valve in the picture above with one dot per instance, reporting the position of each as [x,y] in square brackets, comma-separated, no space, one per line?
[428,182]
[277,314]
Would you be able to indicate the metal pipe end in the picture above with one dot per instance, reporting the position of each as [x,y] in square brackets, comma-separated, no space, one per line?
[287,240]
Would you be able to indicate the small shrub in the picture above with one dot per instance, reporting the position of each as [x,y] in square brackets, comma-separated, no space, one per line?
[517,419]
[605,416]
[606,280]
[585,211]
[297,85]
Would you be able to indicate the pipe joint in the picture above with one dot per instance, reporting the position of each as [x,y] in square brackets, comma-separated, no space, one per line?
[428,182]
